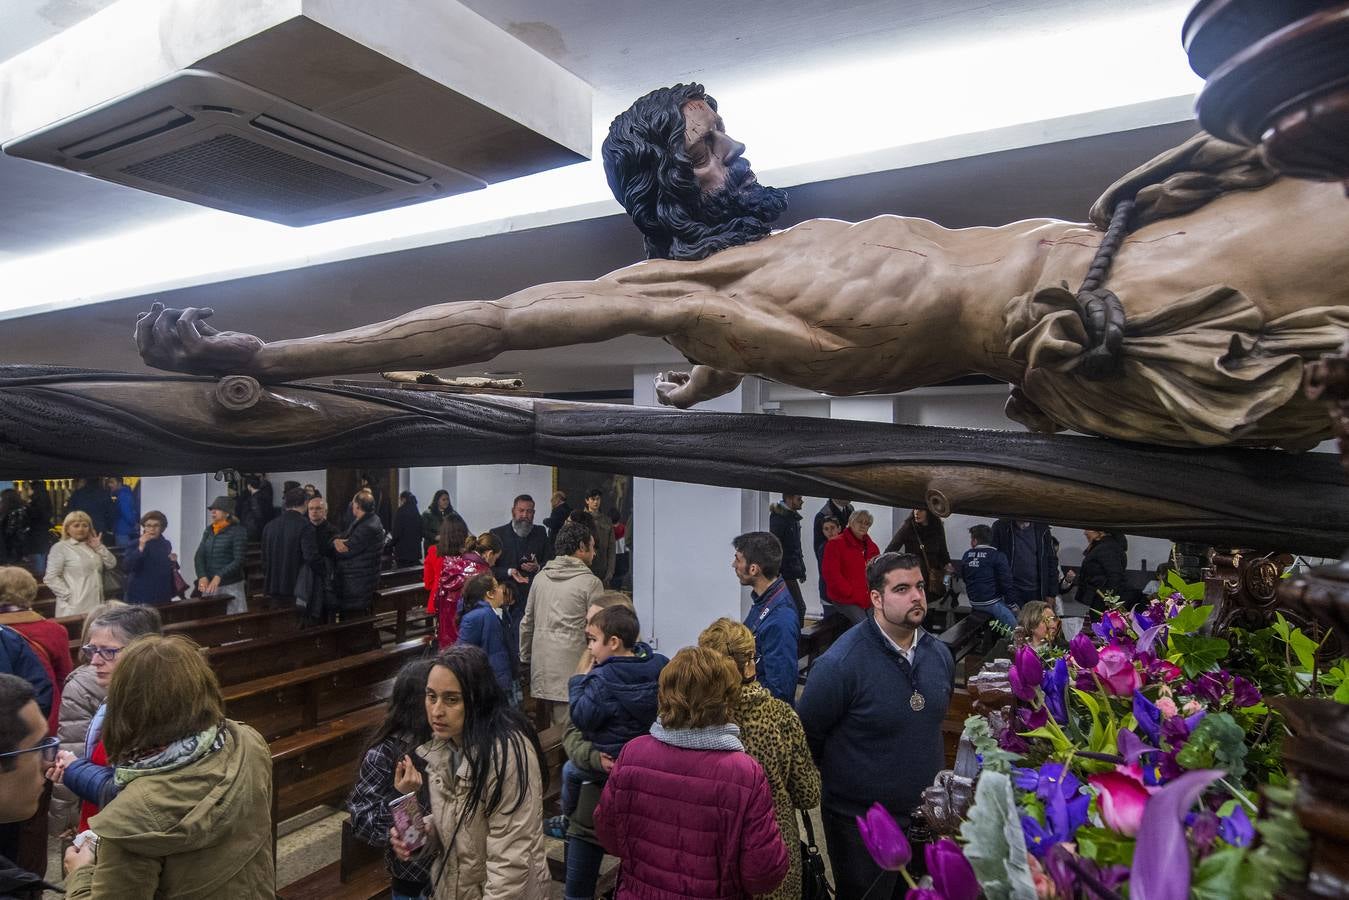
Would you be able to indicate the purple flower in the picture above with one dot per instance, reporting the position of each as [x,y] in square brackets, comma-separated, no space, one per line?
[920,893]
[1012,742]
[1066,814]
[1131,746]
[1032,719]
[1056,691]
[1203,830]
[884,839]
[1177,730]
[952,875]
[1046,780]
[1161,861]
[1149,718]
[1244,693]
[1111,626]
[1038,840]
[1083,650]
[1237,829]
[1026,673]
[1211,686]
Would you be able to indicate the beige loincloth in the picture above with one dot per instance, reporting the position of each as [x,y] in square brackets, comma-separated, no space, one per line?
[1206,370]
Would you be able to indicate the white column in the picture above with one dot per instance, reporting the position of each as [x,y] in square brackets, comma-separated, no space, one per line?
[182,499]
[681,540]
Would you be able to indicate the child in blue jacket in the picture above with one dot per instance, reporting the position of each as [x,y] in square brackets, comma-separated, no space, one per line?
[616,700]
[480,624]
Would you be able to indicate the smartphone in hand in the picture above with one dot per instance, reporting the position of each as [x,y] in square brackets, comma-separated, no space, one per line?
[409,821]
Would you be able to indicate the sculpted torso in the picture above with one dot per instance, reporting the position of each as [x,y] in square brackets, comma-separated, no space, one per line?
[874,307]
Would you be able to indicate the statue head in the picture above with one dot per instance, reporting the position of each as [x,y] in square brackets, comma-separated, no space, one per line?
[682,179]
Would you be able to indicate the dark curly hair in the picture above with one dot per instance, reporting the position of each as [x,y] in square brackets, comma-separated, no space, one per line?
[650,173]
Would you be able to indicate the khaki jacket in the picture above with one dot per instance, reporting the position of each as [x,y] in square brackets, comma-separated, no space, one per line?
[553,631]
[75,575]
[501,858]
[202,832]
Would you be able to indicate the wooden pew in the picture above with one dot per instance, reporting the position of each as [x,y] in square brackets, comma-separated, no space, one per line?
[218,630]
[169,613]
[280,705]
[816,637]
[235,663]
[318,766]
[403,609]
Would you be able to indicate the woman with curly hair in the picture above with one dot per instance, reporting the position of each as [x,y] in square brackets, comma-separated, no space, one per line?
[772,734]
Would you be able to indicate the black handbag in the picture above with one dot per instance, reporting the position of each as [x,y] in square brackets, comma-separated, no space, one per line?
[814,884]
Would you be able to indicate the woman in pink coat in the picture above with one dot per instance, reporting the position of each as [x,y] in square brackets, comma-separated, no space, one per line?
[686,809]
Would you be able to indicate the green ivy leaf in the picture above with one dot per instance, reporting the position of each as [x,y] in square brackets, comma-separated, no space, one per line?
[1303,647]
[1177,585]
[1190,619]
[1217,742]
[1196,654]
[1342,693]
[1106,847]
[1218,876]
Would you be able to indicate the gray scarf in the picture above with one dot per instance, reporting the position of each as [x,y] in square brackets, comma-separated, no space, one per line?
[713,737]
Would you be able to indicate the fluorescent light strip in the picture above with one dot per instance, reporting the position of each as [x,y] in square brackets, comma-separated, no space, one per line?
[851,112]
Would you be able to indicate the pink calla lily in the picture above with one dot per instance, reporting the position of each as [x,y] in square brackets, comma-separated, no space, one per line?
[1121,801]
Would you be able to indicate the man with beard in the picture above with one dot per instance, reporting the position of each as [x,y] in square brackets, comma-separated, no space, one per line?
[525,549]
[894,303]
[874,702]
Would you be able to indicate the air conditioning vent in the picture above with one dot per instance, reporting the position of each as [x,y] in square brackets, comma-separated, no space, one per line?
[237,172]
[209,139]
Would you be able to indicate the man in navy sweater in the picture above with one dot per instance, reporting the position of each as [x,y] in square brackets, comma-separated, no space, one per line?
[772,617]
[872,710]
[987,576]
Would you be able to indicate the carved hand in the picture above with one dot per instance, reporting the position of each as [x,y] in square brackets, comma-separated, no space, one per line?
[179,341]
[668,389]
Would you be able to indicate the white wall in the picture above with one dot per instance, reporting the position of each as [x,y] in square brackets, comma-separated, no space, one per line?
[485,493]
[682,576]
[317,477]
[182,499]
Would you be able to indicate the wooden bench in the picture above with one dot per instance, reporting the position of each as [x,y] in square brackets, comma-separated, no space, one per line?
[403,609]
[235,663]
[816,637]
[169,613]
[359,874]
[218,630]
[280,705]
[318,766]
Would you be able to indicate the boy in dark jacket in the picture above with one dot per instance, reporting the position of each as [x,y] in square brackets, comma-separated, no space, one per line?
[616,700]
[988,576]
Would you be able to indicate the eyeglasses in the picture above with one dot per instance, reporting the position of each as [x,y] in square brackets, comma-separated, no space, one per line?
[48,747]
[758,658]
[108,653]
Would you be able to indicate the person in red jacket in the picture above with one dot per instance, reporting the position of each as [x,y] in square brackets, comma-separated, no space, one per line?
[18,590]
[845,567]
[687,811]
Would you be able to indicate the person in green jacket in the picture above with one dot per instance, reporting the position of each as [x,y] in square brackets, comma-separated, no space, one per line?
[220,556]
[435,514]
[194,815]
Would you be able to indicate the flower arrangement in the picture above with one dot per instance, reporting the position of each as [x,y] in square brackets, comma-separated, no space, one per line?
[1132,766]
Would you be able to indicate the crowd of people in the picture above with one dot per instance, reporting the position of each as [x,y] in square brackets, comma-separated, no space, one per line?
[694,771]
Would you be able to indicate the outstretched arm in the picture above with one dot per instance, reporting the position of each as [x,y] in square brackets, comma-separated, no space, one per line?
[655,299]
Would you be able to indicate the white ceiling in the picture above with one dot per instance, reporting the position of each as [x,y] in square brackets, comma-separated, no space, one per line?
[625,49]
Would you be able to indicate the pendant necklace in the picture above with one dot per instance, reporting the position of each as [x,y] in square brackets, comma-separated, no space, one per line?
[917,702]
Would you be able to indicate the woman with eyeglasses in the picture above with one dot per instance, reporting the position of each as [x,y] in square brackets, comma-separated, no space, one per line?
[772,734]
[193,818]
[1037,626]
[90,777]
[149,563]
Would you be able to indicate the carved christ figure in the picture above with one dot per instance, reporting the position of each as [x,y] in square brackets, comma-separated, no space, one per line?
[1229,281]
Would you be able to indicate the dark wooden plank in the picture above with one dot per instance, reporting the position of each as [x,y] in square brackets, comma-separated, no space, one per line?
[367,882]
[219,630]
[279,705]
[234,663]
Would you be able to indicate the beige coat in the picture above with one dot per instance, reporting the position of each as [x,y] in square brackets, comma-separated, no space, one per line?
[202,832]
[496,858]
[553,631]
[75,575]
[81,697]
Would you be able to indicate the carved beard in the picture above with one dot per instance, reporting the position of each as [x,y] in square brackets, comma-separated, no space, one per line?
[738,213]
